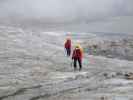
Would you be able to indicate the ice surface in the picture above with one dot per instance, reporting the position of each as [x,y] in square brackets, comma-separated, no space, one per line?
[33,66]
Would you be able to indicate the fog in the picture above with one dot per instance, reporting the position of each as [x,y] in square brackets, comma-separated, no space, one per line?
[68,11]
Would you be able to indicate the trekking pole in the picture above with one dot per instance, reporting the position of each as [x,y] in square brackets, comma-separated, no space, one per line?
[72,63]
[65,51]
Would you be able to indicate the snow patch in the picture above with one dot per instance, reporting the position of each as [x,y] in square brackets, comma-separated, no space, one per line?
[123,89]
[118,82]
[52,33]
[121,98]
[66,75]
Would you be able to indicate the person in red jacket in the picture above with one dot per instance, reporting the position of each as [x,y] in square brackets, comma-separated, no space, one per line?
[67,46]
[77,56]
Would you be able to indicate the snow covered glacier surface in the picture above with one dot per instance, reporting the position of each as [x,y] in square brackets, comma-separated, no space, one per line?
[33,66]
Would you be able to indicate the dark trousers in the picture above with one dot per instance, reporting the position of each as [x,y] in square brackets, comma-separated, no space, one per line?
[75,63]
[68,50]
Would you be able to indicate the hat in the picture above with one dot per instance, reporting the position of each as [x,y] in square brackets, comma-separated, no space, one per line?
[77,46]
[68,38]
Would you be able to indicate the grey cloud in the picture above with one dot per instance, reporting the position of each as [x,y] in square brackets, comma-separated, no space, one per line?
[67,9]
[98,15]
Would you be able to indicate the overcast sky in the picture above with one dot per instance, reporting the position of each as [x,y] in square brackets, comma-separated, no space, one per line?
[109,13]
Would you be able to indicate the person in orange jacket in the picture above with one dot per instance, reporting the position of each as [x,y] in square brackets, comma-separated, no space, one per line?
[67,46]
[77,57]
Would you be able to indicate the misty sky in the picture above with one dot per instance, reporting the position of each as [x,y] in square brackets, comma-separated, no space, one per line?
[102,15]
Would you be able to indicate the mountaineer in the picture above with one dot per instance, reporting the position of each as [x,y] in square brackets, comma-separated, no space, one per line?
[67,46]
[77,56]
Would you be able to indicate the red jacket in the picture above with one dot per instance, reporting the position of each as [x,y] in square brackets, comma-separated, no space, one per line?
[68,44]
[77,54]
